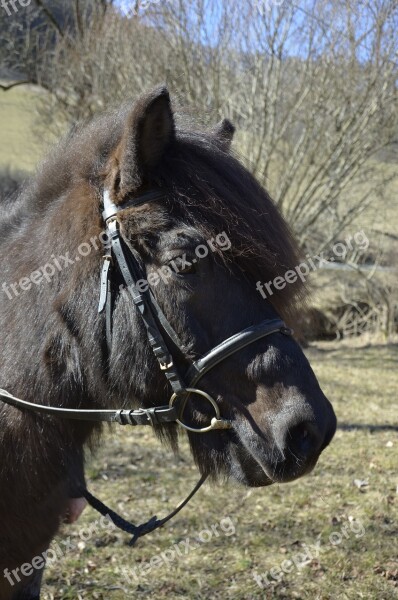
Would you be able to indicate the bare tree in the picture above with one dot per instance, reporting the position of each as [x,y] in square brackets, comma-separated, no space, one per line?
[311,86]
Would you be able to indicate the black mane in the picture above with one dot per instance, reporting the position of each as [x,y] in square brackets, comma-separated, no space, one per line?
[206,184]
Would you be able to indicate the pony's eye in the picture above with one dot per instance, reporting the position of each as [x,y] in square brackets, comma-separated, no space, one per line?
[183,265]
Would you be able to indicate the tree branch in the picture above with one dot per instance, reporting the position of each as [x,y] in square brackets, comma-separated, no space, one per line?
[50,17]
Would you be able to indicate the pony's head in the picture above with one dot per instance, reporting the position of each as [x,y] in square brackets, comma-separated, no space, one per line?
[204,246]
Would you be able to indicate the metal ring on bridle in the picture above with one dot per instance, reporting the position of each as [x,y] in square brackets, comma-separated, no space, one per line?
[216,423]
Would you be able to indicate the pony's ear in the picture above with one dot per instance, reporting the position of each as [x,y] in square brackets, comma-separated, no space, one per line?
[149,130]
[224,132]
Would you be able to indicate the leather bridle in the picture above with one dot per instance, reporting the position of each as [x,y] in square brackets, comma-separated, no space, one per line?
[160,333]
[123,259]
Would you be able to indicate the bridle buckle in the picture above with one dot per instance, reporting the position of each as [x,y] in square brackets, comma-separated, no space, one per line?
[164,366]
[111,219]
[220,423]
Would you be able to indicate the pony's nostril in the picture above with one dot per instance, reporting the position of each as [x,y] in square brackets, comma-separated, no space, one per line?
[302,439]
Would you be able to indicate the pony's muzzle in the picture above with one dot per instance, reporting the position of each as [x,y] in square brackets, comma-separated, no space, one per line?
[299,444]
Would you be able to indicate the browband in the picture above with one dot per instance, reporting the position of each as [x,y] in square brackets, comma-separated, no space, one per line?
[111,209]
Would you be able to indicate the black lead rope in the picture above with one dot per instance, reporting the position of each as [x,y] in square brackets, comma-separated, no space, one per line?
[138,531]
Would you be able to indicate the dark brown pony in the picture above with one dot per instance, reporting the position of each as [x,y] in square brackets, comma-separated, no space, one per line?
[53,347]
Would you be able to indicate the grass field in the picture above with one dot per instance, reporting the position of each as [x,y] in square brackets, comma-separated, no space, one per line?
[349,529]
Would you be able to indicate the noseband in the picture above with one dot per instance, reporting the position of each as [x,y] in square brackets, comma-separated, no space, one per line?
[123,260]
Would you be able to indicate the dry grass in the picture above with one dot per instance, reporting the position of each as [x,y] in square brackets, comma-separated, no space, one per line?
[136,476]
[21,145]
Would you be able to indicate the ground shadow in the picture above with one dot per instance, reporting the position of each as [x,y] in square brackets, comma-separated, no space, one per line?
[352,426]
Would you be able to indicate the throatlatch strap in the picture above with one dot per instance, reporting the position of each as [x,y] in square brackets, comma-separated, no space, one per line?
[138,531]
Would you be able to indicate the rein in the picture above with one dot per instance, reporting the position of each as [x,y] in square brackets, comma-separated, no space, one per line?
[161,335]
